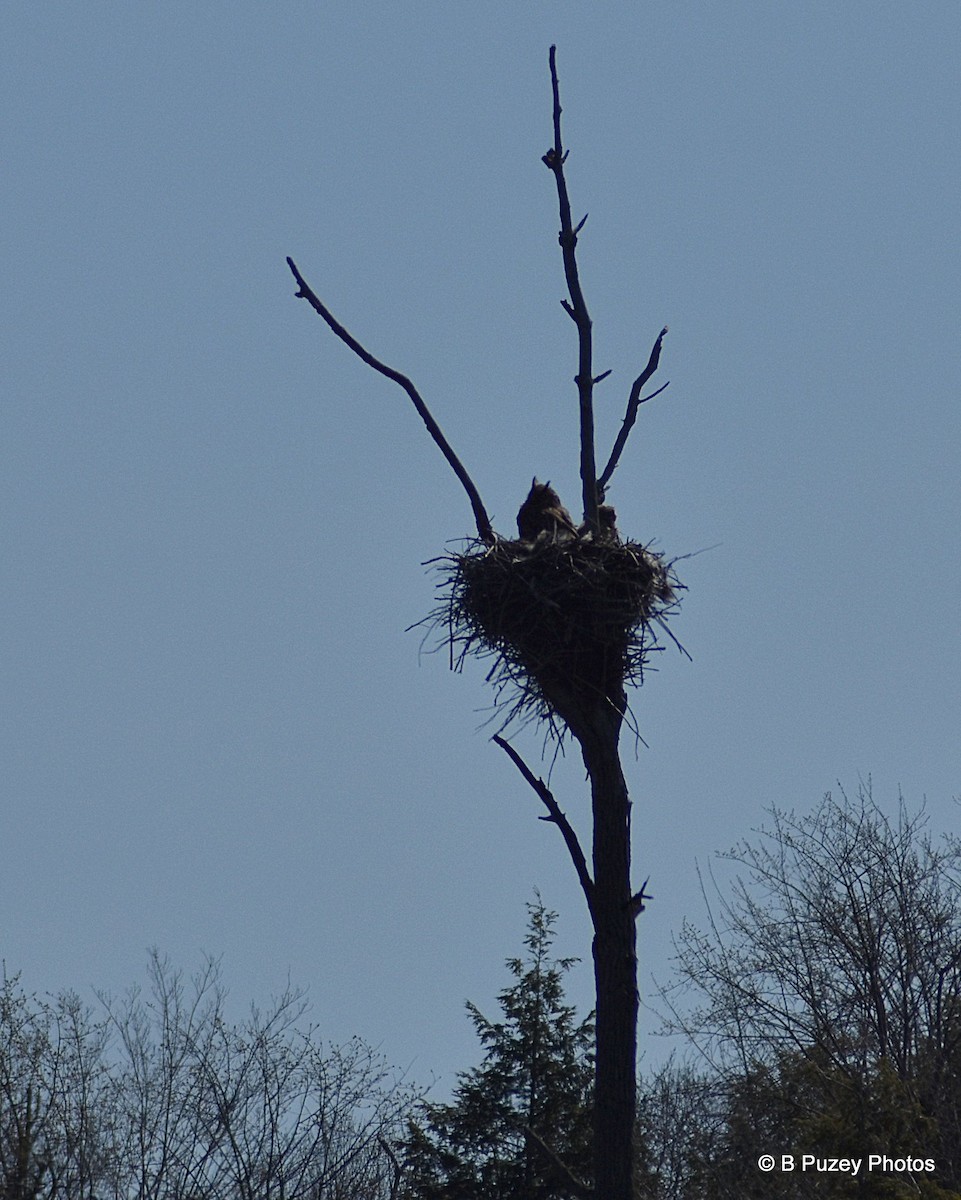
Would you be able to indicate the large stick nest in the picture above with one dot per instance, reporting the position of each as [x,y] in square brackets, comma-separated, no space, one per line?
[568,622]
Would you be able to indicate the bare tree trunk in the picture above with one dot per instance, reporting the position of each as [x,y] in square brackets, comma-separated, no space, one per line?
[615,959]
[603,634]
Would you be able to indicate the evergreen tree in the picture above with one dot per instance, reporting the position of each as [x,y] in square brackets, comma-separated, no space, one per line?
[519,1125]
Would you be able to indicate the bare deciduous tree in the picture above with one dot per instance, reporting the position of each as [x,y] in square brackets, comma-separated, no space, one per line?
[827,985]
[680,1128]
[250,1111]
[569,614]
[161,1095]
[54,1091]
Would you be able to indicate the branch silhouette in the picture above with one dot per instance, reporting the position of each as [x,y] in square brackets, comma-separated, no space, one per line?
[633,404]
[593,488]
[556,817]
[484,529]
[576,309]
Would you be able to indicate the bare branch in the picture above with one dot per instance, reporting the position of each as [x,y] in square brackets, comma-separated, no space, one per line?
[484,530]
[656,392]
[577,1186]
[396,1167]
[633,404]
[554,160]
[557,818]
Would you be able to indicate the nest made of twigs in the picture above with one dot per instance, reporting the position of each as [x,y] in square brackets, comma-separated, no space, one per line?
[568,622]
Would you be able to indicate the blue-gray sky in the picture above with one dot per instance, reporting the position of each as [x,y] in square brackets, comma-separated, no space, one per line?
[216,734]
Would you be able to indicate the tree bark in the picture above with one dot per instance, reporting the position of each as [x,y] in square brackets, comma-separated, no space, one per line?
[615,958]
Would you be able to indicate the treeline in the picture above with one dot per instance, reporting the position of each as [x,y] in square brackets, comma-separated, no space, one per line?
[160,1095]
[827,1002]
[821,1006]
[820,1003]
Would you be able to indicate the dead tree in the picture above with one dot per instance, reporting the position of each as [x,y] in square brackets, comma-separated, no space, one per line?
[569,614]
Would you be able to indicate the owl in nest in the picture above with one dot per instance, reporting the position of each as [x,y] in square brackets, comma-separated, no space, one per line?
[607,521]
[543,513]
[606,525]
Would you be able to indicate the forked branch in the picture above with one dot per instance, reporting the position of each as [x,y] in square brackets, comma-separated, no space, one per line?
[484,529]
[593,488]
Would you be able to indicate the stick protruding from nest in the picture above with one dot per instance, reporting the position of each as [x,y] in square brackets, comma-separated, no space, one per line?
[568,620]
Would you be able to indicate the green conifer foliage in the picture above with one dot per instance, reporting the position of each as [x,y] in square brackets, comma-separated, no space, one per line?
[519,1126]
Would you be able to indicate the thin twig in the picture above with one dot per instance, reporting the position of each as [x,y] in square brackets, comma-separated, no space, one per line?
[633,404]
[557,818]
[484,529]
[576,309]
